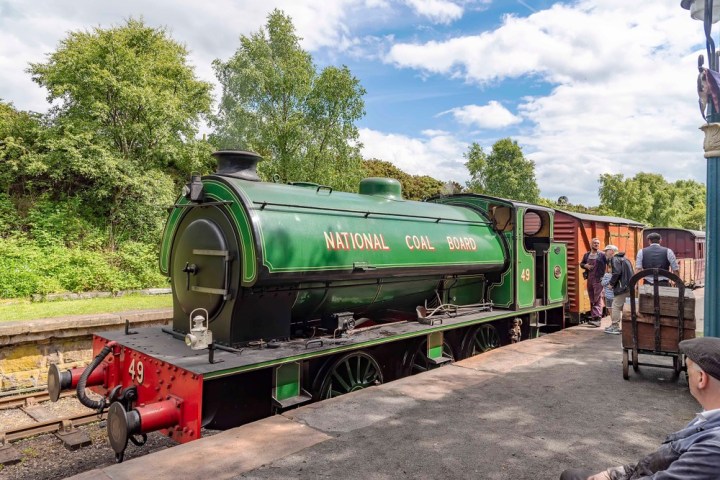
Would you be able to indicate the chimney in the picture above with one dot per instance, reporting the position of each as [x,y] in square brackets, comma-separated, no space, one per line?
[238,164]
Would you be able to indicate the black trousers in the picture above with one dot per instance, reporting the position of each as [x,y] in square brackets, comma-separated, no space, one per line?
[576,474]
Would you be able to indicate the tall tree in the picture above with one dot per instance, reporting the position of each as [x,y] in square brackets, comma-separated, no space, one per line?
[128,87]
[276,103]
[650,199]
[126,113]
[505,172]
[476,164]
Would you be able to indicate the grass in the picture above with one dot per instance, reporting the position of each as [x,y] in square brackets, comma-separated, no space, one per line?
[30,452]
[26,310]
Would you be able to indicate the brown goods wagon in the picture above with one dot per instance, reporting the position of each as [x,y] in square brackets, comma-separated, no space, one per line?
[577,230]
[689,248]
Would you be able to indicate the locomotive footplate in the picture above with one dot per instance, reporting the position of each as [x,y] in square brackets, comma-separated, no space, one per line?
[153,392]
[163,347]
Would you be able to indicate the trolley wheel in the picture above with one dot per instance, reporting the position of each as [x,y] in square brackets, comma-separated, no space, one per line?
[635,359]
[626,375]
[677,365]
[351,372]
[480,340]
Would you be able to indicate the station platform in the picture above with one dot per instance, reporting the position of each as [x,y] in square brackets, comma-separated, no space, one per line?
[525,411]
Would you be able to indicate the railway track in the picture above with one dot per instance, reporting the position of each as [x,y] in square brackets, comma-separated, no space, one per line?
[16,401]
[36,419]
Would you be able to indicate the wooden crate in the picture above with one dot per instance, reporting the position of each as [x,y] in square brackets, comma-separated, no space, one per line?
[669,297]
[646,331]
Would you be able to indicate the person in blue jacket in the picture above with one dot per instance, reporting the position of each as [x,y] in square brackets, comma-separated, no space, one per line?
[693,453]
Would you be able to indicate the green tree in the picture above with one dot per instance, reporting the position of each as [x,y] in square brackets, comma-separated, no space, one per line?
[650,199]
[690,197]
[276,103]
[476,164]
[20,134]
[130,87]
[123,127]
[505,172]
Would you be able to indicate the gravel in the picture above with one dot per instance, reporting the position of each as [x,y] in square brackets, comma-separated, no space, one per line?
[44,457]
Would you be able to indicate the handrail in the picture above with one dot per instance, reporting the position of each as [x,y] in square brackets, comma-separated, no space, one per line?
[366,213]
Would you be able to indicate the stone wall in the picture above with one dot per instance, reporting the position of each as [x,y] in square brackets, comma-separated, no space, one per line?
[28,348]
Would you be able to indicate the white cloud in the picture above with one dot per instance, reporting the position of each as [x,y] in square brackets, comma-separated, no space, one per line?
[621,88]
[492,115]
[439,155]
[30,30]
[439,11]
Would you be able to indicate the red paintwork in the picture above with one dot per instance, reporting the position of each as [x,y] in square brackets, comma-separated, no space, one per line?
[577,232]
[156,416]
[97,377]
[163,389]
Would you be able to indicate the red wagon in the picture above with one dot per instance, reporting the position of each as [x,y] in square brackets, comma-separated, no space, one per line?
[689,248]
[577,230]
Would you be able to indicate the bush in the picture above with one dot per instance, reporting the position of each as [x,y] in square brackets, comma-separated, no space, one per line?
[31,268]
[9,219]
[139,262]
[62,222]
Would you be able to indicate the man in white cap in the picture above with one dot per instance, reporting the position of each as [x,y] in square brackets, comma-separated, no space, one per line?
[692,453]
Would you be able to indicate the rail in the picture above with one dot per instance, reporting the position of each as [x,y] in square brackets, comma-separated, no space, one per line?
[62,426]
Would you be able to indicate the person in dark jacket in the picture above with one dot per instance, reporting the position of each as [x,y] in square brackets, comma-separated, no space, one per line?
[621,273]
[594,262]
[692,453]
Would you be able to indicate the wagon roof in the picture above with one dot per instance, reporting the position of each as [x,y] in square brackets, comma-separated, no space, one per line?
[697,233]
[602,218]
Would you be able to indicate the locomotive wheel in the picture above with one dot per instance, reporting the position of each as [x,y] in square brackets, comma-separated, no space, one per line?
[419,361]
[351,372]
[626,374]
[480,340]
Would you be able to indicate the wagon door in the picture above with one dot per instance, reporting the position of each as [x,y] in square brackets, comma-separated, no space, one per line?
[556,274]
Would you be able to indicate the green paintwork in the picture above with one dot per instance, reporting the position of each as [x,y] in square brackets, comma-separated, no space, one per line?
[215,191]
[557,286]
[318,298]
[287,381]
[386,187]
[169,233]
[219,191]
[501,294]
[525,267]
[305,235]
[464,290]
[371,343]
[435,345]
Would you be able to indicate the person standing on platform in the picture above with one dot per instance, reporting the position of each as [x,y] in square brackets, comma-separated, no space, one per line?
[594,262]
[605,282]
[656,256]
[622,271]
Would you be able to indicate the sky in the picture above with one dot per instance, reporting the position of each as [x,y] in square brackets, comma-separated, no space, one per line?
[585,87]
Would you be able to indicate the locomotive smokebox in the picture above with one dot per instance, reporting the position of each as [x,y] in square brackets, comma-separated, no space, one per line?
[238,164]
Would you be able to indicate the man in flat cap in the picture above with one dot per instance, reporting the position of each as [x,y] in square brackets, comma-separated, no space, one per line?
[656,256]
[693,453]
